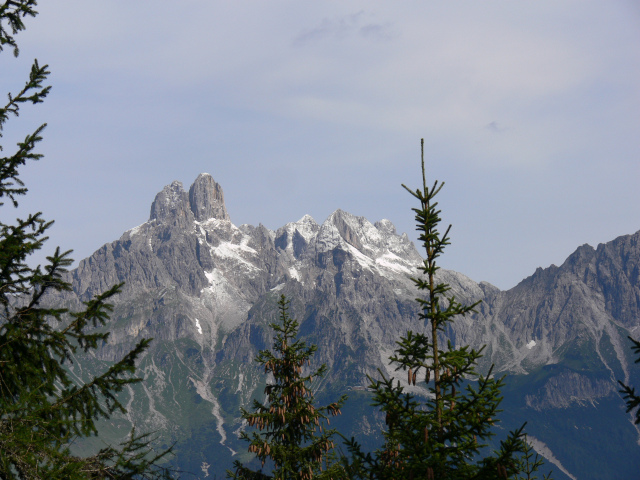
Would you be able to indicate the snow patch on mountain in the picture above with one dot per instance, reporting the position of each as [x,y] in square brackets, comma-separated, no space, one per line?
[136,230]
[542,449]
[237,253]
[368,234]
[240,383]
[295,236]
[307,227]
[219,287]
[295,274]
[364,261]
[393,262]
[205,393]
[328,238]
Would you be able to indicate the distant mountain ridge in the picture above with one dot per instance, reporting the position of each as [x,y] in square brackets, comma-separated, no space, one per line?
[205,290]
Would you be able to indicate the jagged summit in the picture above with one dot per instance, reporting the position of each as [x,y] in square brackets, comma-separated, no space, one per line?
[204,201]
[171,204]
[295,236]
[372,240]
[386,226]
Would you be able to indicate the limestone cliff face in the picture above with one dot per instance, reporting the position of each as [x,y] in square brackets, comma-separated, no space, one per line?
[206,199]
[569,387]
[171,206]
[206,289]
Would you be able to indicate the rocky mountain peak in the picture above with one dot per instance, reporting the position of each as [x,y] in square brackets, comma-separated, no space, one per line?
[207,199]
[386,226]
[348,227]
[295,236]
[372,240]
[171,204]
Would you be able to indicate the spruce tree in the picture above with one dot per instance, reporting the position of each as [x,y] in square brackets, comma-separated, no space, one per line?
[42,410]
[290,436]
[442,436]
[628,392]
[529,463]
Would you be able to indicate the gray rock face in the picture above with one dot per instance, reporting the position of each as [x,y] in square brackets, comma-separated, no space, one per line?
[567,388]
[587,306]
[206,290]
[206,199]
[171,205]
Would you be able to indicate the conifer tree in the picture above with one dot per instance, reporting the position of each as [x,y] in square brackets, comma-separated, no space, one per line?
[42,410]
[444,435]
[628,392]
[529,463]
[291,435]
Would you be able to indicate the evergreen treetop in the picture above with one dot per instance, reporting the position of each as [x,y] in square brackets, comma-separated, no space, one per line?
[291,431]
[442,433]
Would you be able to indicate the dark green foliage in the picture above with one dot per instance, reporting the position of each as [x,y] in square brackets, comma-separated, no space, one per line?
[529,463]
[42,410]
[12,13]
[445,435]
[629,393]
[291,433]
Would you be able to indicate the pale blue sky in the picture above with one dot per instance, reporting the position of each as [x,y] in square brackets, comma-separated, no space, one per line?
[530,113]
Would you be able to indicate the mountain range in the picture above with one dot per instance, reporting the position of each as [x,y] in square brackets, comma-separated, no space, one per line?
[205,290]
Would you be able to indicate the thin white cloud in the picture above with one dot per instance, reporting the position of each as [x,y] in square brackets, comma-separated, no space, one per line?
[337,28]
[360,23]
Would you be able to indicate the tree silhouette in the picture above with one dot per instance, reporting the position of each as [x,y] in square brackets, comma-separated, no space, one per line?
[291,432]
